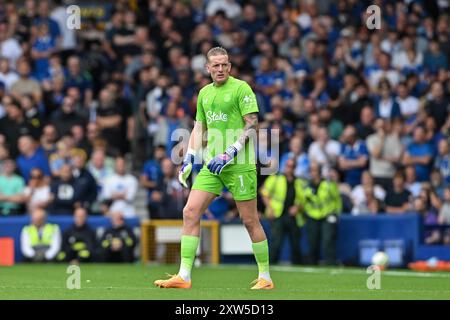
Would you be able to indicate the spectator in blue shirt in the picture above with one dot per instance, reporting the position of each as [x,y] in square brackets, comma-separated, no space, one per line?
[435,59]
[267,81]
[442,161]
[420,154]
[354,156]
[31,157]
[43,17]
[42,48]
[297,153]
[151,177]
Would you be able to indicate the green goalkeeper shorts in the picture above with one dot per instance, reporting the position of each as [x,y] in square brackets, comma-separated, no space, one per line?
[242,185]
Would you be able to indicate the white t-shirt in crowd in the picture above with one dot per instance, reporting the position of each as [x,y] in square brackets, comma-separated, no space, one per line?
[40,194]
[9,79]
[358,195]
[408,106]
[11,49]
[69,40]
[117,184]
[316,154]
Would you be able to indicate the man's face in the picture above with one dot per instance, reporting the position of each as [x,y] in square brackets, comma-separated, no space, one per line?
[289,167]
[38,217]
[419,135]
[120,166]
[80,217]
[25,145]
[9,167]
[66,173]
[219,68]
[68,105]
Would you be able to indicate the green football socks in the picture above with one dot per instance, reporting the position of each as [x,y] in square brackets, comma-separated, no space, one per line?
[261,252]
[189,245]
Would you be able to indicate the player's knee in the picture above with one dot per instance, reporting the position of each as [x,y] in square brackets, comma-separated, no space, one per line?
[190,215]
[250,222]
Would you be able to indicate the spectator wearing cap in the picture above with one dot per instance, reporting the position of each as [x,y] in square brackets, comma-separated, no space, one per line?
[419,153]
[354,156]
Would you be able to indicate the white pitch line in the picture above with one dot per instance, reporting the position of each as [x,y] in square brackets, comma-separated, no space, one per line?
[341,271]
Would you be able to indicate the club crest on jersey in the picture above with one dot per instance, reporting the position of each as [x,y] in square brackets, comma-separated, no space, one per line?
[227,97]
[213,116]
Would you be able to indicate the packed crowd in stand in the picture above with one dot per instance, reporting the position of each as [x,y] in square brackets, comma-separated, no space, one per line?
[86,116]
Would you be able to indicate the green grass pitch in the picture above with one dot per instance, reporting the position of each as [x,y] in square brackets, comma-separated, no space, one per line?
[100,281]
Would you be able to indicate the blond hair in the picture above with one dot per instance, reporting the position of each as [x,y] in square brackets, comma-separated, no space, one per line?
[216,51]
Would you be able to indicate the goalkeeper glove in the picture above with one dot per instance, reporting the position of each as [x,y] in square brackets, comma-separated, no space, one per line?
[186,168]
[219,162]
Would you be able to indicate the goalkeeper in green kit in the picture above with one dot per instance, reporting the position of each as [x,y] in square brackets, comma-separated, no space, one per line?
[228,113]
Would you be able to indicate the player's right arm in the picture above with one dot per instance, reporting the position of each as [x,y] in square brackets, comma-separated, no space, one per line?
[195,143]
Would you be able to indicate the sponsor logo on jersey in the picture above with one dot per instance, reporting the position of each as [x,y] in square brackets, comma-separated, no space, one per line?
[213,116]
[247,99]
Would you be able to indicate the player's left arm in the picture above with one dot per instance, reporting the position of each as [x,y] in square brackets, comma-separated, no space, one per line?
[251,126]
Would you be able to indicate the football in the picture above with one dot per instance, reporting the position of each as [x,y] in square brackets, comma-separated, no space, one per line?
[380,259]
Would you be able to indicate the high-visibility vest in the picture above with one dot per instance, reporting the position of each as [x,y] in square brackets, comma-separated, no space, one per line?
[275,188]
[325,201]
[47,234]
